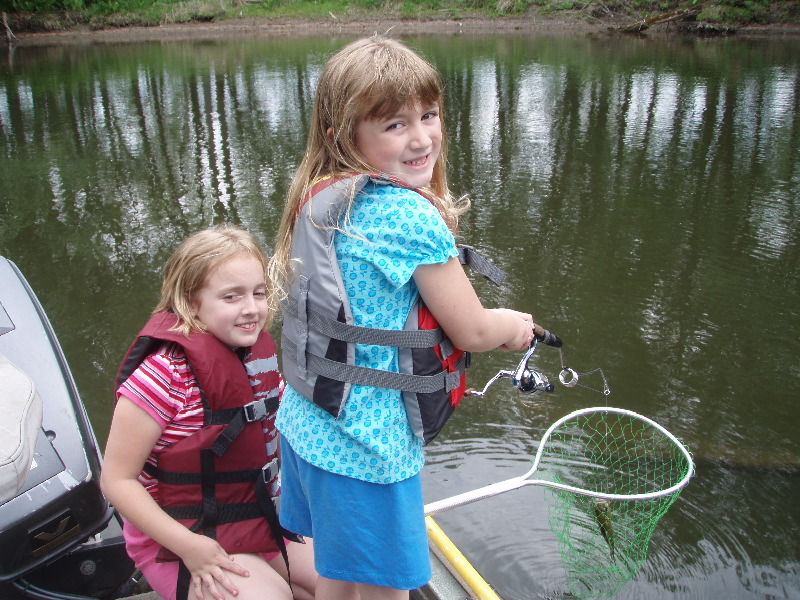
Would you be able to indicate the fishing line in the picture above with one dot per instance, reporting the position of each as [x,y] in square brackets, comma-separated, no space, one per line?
[570,378]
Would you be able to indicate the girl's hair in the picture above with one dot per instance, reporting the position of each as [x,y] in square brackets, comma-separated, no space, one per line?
[186,271]
[371,78]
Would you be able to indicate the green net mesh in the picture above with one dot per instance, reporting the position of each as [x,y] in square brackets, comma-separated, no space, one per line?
[603,542]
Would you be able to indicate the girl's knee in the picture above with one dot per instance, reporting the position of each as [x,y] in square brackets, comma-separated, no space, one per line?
[263,581]
[333,589]
[301,564]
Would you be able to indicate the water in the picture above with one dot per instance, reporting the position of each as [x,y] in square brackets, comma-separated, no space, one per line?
[642,195]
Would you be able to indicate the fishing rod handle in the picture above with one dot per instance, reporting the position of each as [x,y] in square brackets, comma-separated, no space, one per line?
[544,336]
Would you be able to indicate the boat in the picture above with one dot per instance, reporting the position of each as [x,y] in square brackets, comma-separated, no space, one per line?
[454,577]
[60,539]
[58,535]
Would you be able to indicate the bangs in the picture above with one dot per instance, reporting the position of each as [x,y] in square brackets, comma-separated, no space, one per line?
[386,98]
[392,78]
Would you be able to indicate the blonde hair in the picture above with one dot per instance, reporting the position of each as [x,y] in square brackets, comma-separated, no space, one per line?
[370,78]
[186,271]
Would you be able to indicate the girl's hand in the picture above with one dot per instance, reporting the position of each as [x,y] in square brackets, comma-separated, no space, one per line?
[209,566]
[523,335]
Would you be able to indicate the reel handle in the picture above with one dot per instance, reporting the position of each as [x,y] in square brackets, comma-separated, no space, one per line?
[544,336]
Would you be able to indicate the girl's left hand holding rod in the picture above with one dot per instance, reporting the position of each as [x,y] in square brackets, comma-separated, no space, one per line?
[132,436]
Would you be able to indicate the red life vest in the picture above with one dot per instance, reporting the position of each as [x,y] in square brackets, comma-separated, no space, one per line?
[215,481]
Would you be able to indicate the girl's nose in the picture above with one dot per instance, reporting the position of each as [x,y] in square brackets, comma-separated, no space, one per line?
[420,138]
[250,306]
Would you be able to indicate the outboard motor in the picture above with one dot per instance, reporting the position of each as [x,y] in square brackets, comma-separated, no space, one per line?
[58,534]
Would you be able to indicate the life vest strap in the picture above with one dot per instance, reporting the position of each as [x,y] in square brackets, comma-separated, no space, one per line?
[355,334]
[253,411]
[467,255]
[237,418]
[210,517]
[407,382]
[225,513]
[183,478]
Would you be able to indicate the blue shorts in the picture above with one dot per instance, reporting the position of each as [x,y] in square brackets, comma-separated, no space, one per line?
[363,532]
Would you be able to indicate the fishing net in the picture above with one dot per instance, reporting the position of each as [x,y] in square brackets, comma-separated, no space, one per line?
[610,475]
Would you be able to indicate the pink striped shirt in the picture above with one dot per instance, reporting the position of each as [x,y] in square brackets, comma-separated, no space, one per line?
[165,387]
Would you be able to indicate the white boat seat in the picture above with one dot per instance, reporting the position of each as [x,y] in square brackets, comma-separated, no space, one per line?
[21,410]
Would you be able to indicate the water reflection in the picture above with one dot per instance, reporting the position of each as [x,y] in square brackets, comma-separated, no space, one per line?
[642,196]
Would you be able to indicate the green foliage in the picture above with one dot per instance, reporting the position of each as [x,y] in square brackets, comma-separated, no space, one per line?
[54,14]
[38,6]
[735,11]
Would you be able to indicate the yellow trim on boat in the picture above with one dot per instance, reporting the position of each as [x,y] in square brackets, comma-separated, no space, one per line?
[454,560]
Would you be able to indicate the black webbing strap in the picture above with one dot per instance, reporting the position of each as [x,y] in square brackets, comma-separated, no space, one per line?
[237,418]
[207,519]
[257,409]
[184,579]
[467,255]
[267,507]
[180,478]
[226,513]
[208,522]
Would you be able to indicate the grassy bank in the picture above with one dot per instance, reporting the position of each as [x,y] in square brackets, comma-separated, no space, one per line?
[54,15]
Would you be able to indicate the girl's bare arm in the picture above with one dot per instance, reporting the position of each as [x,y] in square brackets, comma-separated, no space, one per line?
[449,295]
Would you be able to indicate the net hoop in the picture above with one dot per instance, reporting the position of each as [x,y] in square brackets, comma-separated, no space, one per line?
[624,497]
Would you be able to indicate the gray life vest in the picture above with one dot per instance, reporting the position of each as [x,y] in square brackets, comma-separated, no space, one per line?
[319,335]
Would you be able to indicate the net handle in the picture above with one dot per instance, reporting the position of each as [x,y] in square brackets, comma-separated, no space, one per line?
[516,482]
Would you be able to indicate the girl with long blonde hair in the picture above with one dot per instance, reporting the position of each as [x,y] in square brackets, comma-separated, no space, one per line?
[367,232]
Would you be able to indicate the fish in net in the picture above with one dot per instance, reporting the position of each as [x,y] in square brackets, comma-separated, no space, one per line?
[610,474]
[615,474]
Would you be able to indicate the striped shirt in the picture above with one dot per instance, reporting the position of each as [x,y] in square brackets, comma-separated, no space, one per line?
[165,387]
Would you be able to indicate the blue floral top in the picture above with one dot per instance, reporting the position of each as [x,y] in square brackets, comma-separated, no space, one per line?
[391,232]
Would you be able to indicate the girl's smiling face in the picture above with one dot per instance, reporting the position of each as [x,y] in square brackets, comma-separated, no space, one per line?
[232,303]
[405,145]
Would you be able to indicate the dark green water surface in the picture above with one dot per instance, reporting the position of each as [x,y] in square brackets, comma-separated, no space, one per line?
[643,196]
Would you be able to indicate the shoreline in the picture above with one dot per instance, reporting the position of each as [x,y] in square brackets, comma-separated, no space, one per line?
[267,27]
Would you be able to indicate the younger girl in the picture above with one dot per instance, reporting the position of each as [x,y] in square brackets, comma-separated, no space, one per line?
[192,456]
[367,232]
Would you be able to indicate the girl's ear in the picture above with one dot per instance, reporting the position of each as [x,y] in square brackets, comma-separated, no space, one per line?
[194,307]
[329,135]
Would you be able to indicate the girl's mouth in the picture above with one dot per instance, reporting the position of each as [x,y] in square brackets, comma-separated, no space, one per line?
[418,162]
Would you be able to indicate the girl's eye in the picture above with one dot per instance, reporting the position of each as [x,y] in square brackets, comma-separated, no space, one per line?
[230,297]
[430,115]
[393,126]
[261,294]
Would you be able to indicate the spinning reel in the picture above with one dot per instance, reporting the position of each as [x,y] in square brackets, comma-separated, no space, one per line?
[529,381]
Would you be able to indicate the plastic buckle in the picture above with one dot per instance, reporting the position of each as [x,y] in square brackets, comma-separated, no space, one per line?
[255,411]
[267,470]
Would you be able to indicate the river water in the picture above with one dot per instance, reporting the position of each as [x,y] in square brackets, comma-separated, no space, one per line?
[643,196]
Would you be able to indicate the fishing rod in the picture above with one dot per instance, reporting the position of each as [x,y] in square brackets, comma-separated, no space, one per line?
[530,381]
